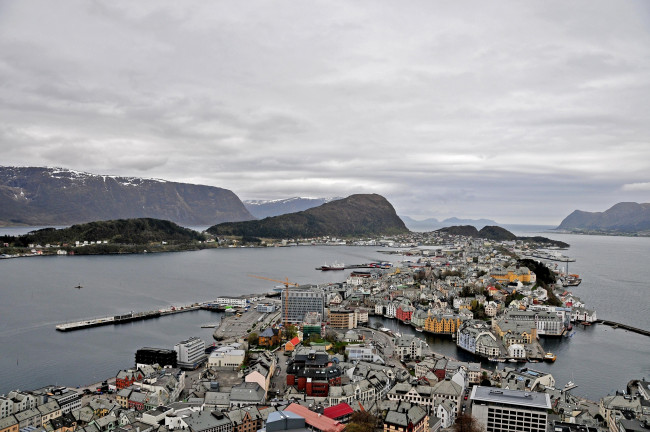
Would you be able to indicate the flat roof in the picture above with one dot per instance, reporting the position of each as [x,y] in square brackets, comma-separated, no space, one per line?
[511,397]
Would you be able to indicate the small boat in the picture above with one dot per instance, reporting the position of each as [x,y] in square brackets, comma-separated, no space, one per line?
[419,329]
[585,323]
[550,357]
[79,286]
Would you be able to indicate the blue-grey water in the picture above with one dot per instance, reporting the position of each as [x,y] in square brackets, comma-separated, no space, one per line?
[37,293]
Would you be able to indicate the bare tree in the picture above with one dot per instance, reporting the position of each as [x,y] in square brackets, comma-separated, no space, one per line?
[467,423]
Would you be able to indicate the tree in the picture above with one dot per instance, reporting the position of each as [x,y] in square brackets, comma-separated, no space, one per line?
[253,339]
[362,421]
[290,332]
[467,423]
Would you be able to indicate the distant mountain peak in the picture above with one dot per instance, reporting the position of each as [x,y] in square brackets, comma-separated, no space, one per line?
[276,207]
[61,196]
[624,217]
[356,215]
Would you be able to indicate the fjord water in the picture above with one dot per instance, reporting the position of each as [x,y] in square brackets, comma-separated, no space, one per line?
[37,293]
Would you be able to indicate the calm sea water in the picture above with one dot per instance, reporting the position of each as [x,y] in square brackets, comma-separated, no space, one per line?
[37,293]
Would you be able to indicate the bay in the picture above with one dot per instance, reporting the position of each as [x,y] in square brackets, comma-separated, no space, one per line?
[37,293]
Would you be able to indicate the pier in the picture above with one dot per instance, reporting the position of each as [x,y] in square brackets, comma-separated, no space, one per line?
[126,318]
[623,326]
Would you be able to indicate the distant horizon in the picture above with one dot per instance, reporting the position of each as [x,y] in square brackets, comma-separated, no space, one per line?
[417,218]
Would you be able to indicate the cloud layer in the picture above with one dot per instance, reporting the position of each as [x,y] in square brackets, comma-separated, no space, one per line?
[516,111]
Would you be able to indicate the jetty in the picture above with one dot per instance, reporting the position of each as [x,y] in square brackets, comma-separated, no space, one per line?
[623,326]
[125,318]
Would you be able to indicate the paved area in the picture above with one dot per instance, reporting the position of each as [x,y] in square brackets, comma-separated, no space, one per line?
[233,326]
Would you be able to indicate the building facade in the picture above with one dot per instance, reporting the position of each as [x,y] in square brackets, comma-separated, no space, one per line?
[191,353]
[299,301]
[502,410]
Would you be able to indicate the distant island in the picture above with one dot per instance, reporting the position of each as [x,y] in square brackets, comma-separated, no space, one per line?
[432,224]
[625,218]
[356,215]
[38,196]
[107,237]
[497,233]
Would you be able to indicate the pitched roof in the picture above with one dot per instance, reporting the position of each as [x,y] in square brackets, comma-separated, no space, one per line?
[316,421]
[337,411]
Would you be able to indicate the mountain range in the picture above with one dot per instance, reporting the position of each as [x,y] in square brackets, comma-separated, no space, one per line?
[624,217]
[356,215]
[266,208]
[56,196]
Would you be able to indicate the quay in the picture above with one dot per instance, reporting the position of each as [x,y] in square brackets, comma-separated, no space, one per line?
[121,319]
[623,326]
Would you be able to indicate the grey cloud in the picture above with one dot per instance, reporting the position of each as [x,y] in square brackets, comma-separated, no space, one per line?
[513,111]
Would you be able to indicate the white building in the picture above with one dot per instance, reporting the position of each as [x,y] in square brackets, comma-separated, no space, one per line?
[226,358]
[190,352]
[364,353]
[516,351]
[502,410]
[228,301]
[266,308]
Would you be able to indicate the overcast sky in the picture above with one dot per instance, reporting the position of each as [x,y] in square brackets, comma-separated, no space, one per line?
[518,111]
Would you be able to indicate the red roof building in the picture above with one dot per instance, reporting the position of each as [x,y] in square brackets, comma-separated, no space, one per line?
[317,422]
[341,412]
[292,344]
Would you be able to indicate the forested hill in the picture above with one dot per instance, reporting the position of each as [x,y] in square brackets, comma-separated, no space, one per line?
[497,233]
[122,231]
[356,215]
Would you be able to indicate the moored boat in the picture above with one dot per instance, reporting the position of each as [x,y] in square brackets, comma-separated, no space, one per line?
[335,266]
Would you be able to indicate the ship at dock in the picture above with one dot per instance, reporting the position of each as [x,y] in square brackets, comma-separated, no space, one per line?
[335,266]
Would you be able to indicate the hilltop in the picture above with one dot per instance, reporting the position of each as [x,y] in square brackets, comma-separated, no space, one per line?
[432,224]
[113,236]
[497,233]
[266,208]
[56,196]
[125,231]
[624,217]
[356,215]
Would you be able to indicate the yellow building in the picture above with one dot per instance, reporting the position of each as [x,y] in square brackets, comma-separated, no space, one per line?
[511,332]
[511,274]
[442,323]
[9,424]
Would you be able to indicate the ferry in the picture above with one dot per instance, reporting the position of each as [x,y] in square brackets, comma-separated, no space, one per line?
[571,280]
[550,357]
[335,266]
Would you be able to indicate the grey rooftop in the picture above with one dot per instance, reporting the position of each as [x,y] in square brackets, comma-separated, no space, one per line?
[511,397]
